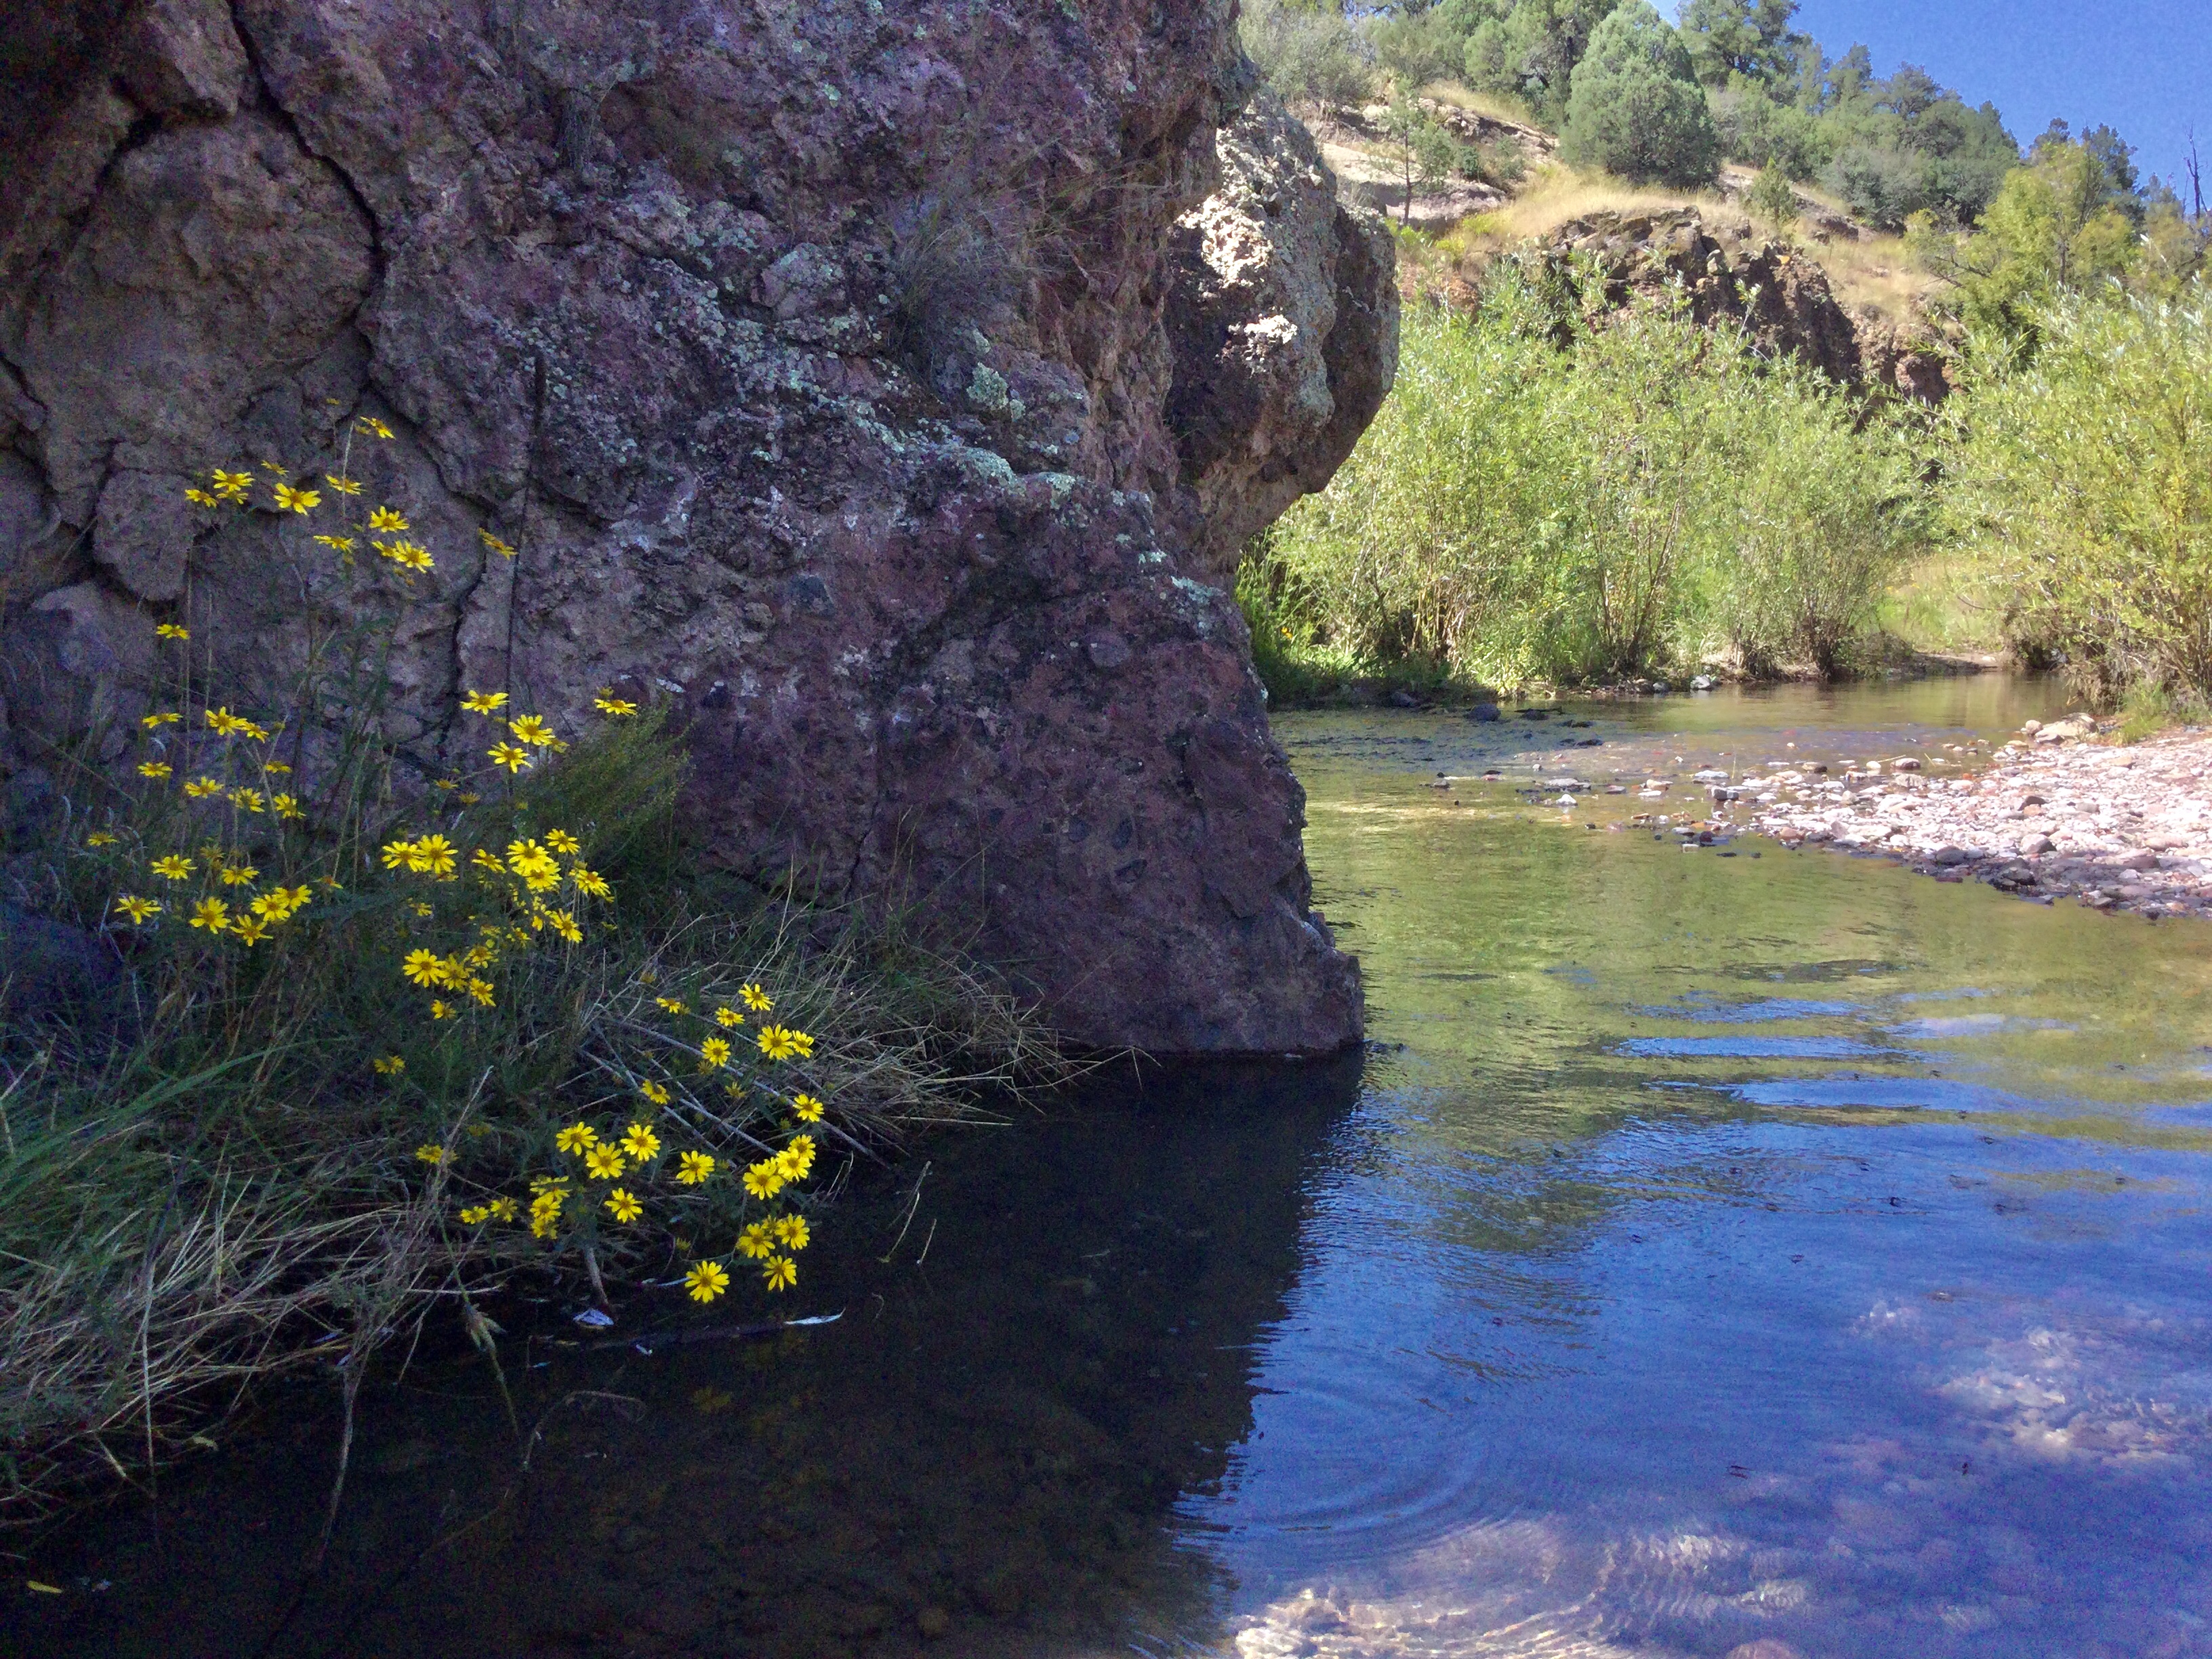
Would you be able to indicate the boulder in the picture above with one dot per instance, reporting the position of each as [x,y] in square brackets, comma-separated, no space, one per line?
[1285,325]
[876,387]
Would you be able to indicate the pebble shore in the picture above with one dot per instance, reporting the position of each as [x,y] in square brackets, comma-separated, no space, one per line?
[2059,812]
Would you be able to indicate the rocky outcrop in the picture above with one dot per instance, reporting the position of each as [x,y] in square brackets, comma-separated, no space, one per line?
[1782,298]
[812,357]
[1285,325]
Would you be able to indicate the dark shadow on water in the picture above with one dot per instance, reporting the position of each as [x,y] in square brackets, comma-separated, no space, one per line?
[984,1456]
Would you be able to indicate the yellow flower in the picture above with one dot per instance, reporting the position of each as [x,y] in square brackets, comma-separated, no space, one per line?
[212,914]
[532,730]
[429,1152]
[99,838]
[590,883]
[502,1207]
[577,1137]
[246,800]
[793,1231]
[764,1179]
[389,1066]
[385,522]
[231,486]
[623,1207]
[714,1051]
[807,1109]
[289,499]
[779,1042]
[199,497]
[154,769]
[483,859]
[534,865]
[619,708]
[424,968]
[274,766]
[337,544]
[221,720]
[495,544]
[706,1281]
[250,729]
[137,908]
[251,929]
[565,925]
[167,717]
[481,990]
[640,1143]
[239,875]
[276,467]
[563,843]
[433,856]
[474,1214]
[484,702]
[604,1162]
[512,756]
[408,555]
[201,788]
[756,998]
[757,1240]
[344,486]
[654,1092]
[285,806]
[440,1009]
[467,799]
[727,1018]
[692,1168]
[780,1272]
[674,1004]
[800,1152]
[171,631]
[372,426]
[173,867]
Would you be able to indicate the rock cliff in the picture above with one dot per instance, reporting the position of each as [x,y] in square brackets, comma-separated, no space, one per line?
[817,360]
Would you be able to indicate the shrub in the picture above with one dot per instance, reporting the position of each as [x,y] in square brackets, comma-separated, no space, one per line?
[1309,52]
[1636,108]
[2079,478]
[1544,500]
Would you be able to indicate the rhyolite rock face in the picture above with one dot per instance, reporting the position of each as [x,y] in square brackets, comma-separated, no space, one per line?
[813,358]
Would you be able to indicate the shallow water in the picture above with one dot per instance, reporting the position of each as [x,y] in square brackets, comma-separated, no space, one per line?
[1709,1247]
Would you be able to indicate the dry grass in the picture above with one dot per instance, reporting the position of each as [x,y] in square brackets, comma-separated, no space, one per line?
[1489,105]
[1880,276]
[1557,195]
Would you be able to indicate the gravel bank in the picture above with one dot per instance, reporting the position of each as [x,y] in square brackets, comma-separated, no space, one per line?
[2056,814]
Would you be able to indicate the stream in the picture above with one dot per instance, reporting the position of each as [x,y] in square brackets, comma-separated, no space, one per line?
[1714,1246]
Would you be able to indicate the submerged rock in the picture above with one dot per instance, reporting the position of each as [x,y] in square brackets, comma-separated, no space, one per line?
[817,364]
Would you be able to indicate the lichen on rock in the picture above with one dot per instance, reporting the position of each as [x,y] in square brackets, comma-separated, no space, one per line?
[831,370]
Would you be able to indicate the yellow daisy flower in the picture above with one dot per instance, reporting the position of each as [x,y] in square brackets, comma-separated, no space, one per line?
[534,730]
[372,426]
[563,843]
[757,1241]
[764,1179]
[211,914]
[577,1137]
[171,631]
[385,522]
[289,499]
[512,756]
[154,769]
[619,708]
[706,1281]
[389,1066]
[504,1208]
[793,1231]
[640,1143]
[484,702]
[138,909]
[654,1092]
[424,968]
[604,1162]
[251,929]
[693,1167]
[201,788]
[172,866]
[431,1154]
[756,998]
[623,1207]
[780,1272]
[714,1051]
[807,1109]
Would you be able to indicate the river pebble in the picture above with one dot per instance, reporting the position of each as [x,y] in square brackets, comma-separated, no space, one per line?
[2056,814]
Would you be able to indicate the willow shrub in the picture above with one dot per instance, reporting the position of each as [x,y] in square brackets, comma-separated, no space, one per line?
[1543,498]
[2080,479]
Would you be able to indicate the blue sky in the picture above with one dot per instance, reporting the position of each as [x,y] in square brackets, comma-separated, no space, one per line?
[2144,66]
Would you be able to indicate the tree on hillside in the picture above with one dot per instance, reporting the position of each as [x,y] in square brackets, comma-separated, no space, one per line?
[1308,50]
[1422,151]
[1636,108]
[1749,38]
[2054,225]
[1530,49]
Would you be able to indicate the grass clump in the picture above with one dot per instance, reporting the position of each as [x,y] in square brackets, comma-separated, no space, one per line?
[1550,499]
[388,1036]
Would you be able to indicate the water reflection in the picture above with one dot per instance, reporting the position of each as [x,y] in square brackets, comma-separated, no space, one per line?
[982,1453]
